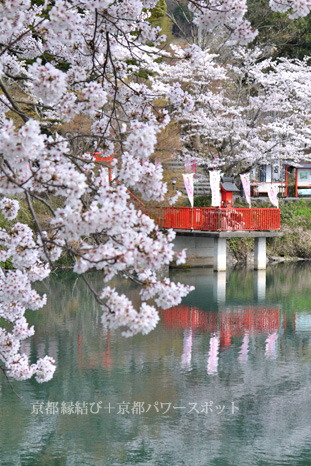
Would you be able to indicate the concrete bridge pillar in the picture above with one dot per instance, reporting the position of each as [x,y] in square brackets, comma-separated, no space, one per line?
[220,254]
[208,248]
[260,258]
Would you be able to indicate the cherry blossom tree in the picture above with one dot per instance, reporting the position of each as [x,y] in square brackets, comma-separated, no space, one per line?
[58,61]
[251,112]
[63,62]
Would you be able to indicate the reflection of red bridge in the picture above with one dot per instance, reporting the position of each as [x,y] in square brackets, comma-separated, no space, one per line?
[229,323]
[89,360]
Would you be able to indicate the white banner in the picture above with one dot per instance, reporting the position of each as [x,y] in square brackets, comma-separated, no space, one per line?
[188,180]
[215,187]
[273,194]
[247,187]
[277,172]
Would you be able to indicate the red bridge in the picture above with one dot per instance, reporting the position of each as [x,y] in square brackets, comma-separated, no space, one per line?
[216,219]
[203,231]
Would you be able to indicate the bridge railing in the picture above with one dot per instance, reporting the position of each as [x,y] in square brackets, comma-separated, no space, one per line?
[216,219]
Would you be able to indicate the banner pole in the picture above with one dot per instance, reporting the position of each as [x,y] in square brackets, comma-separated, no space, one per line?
[192,219]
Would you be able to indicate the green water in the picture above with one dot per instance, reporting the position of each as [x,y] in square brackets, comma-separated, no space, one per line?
[167,398]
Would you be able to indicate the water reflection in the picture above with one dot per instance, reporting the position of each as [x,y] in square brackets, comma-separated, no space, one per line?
[228,322]
[230,368]
[187,348]
[243,354]
[219,287]
[271,350]
[260,285]
[222,326]
[213,355]
[302,322]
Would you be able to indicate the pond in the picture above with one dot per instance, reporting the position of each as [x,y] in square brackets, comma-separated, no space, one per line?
[224,380]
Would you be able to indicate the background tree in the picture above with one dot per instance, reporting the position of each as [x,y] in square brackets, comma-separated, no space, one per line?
[249,113]
[280,35]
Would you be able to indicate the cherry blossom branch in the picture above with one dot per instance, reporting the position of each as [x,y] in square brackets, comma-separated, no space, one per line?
[4,371]
[13,103]
[28,198]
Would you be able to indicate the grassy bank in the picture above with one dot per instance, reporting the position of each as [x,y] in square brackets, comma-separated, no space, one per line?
[296,229]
